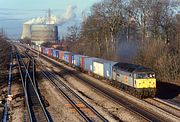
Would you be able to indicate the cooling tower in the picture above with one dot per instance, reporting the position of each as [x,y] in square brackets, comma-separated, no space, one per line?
[26,33]
[44,33]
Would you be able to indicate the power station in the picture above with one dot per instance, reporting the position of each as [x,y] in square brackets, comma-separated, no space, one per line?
[26,33]
[44,33]
[41,32]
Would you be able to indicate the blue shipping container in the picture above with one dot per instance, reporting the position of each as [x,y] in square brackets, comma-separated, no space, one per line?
[57,54]
[72,58]
[88,63]
[52,50]
[53,53]
[108,69]
[76,60]
[46,51]
[66,57]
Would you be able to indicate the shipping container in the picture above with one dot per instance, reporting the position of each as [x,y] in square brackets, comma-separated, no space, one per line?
[49,52]
[53,53]
[108,70]
[68,57]
[61,54]
[43,50]
[57,54]
[46,50]
[82,61]
[76,60]
[86,63]
[52,50]
[103,68]
[71,58]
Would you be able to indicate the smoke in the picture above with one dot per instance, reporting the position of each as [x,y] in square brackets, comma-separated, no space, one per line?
[127,51]
[67,16]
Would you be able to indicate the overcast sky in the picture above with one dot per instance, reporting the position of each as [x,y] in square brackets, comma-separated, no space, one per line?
[13,13]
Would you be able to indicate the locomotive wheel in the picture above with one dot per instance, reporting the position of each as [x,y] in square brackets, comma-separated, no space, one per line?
[121,86]
[113,83]
[141,95]
[146,93]
[116,84]
[153,94]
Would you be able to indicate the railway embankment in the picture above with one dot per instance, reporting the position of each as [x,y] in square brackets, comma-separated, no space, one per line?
[5,49]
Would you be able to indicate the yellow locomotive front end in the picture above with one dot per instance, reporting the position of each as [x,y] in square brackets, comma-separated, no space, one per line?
[145,83]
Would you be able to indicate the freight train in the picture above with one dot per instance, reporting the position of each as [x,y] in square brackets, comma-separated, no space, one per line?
[135,79]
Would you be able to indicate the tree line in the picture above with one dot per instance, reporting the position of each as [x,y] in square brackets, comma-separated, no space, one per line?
[5,50]
[145,32]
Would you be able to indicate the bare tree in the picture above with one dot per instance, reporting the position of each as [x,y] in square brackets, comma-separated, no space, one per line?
[111,24]
[73,33]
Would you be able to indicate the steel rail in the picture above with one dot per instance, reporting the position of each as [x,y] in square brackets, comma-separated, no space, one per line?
[165,110]
[34,73]
[25,92]
[33,60]
[64,94]
[37,94]
[168,104]
[117,101]
[87,105]
[69,99]
[130,107]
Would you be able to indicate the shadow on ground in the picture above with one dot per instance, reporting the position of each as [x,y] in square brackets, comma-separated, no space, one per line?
[167,90]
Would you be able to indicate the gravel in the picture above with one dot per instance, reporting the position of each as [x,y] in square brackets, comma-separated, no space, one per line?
[57,108]
[111,110]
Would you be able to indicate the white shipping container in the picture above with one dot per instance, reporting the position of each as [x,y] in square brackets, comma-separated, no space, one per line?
[98,68]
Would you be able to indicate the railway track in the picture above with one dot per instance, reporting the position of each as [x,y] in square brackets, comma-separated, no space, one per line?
[87,112]
[34,105]
[168,108]
[83,108]
[140,112]
[147,115]
[175,102]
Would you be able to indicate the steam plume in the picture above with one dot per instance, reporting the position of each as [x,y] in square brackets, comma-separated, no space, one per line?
[67,16]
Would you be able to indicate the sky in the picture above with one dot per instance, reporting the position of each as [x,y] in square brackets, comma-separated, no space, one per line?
[13,13]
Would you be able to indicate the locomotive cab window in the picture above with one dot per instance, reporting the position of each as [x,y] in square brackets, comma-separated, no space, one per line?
[145,75]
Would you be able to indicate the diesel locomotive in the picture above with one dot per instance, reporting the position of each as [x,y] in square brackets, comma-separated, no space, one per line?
[138,80]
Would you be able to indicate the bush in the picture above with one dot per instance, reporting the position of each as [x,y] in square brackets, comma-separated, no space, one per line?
[161,57]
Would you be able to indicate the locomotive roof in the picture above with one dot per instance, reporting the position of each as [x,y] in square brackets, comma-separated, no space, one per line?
[132,67]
